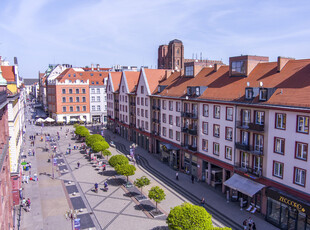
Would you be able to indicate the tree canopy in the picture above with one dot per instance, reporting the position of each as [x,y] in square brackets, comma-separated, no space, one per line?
[99,146]
[81,131]
[141,182]
[106,153]
[188,216]
[91,139]
[118,160]
[125,170]
[157,194]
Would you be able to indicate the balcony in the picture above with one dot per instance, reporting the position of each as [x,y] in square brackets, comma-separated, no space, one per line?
[185,129]
[116,100]
[193,132]
[189,115]
[155,120]
[256,172]
[116,118]
[132,103]
[250,149]
[116,109]
[192,148]
[132,113]
[156,107]
[155,132]
[250,126]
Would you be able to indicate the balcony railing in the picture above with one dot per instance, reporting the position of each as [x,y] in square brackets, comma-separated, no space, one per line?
[185,129]
[132,103]
[3,96]
[156,107]
[193,132]
[116,100]
[192,148]
[250,126]
[116,109]
[189,115]
[246,169]
[155,120]
[256,150]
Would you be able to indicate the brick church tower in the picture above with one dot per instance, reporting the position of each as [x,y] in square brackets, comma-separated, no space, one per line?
[171,56]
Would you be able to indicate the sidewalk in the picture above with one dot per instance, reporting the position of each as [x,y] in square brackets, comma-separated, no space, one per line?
[213,198]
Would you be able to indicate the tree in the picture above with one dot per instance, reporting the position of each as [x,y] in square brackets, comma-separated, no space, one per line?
[76,125]
[125,170]
[118,160]
[106,153]
[91,139]
[157,194]
[81,131]
[141,182]
[188,216]
[98,146]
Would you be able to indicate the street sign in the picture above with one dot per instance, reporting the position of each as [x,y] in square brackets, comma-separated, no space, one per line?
[77,224]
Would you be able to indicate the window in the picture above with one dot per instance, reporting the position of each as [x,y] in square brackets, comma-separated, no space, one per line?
[170,120]
[178,106]
[98,98]
[177,134]
[259,117]
[246,117]
[170,133]
[263,94]
[216,148]
[70,91]
[142,112]
[97,82]
[189,71]
[205,110]
[77,91]
[280,121]
[278,169]
[301,151]
[238,67]
[302,124]
[77,99]
[93,99]
[279,144]
[98,108]
[258,143]
[205,145]
[164,118]
[138,111]
[217,111]
[93,108]
[228,133]
[146,101]
[299,176]
[164,131]
[257,165]
[142,89]
[229,113]
[228,152]
[64,91]
[146,113]
[205,128]
[244,138]
[83,90]
[98,91]
[84,108]
[216,130]
[71,108]
[63,99]
[178,121]
[64,109]
[249,93]
[84,99]
[244,162]
[70,99]
[138,100]
[78,108]
[164,104]
[142,101]
[171,105]
[146,124]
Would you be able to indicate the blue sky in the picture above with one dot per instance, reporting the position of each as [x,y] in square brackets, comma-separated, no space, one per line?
[81,32]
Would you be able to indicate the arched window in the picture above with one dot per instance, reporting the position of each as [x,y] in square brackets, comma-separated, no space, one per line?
[178,51]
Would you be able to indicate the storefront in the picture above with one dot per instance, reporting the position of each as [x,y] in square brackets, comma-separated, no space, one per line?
[96,119]
[170,155]
[286,211]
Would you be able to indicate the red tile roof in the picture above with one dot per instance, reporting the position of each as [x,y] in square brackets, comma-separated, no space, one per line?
[116,79]
[153,77]
[132,78]
[8,73]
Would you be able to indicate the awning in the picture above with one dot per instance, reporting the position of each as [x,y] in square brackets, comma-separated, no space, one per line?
[243,185]
[169,146]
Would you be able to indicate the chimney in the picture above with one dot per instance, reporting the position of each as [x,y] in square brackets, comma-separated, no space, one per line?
[216,67]
[92,67]
[282,62]
[98,67]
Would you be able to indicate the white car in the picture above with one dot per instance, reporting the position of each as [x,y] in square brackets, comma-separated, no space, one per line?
[112,144]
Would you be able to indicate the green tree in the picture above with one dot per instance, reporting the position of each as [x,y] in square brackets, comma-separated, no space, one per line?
[157,194]
[125,170]
[75,125]
[141,182]
[98,146]
[118,160]
[91,139]
[188,216]
[106,153]
[81,131]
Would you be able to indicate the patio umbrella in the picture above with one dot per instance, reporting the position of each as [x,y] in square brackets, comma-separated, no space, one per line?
[73,119]
[40,120]
[24,163]
[82,119]
[49,119]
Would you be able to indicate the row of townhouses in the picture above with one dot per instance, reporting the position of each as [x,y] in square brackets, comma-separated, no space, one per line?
[12,104]
[242,128]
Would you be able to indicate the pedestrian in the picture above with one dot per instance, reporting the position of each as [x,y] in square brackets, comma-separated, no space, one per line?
[78,164]
[27,179]
[245,224]
[202,202]
[34,138]
[33,152]
[250,223]
[193,178]
[253,226]
[66,135]
[29,164]
[177,176]
[28,204]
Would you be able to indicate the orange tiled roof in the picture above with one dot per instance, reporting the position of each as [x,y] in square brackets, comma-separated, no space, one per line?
[153,77]
[8,73]
[92,76]
[132,78]
[116,78]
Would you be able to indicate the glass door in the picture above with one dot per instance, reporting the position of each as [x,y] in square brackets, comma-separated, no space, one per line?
[245,138]
[292,216]
[246,117]
[244,160]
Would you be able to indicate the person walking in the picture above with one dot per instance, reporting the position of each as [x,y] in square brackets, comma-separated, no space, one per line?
[253,226]
[193,178]
[202,202]
[78,164]
[177,176]
[250,223]
[245,224]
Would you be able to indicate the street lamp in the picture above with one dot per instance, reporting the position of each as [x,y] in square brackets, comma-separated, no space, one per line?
[72,214]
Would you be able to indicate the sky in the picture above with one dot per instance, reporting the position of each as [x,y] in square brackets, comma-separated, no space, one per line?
[106,32]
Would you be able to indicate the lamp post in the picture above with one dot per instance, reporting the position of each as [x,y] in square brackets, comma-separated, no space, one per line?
[72,214]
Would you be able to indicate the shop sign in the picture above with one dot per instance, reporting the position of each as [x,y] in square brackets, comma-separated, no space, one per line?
[164,148]
[292,203]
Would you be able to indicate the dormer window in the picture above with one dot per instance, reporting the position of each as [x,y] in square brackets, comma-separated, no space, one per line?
[249,93]
[189,71]
[197,91]
[238,67]
[263,94]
